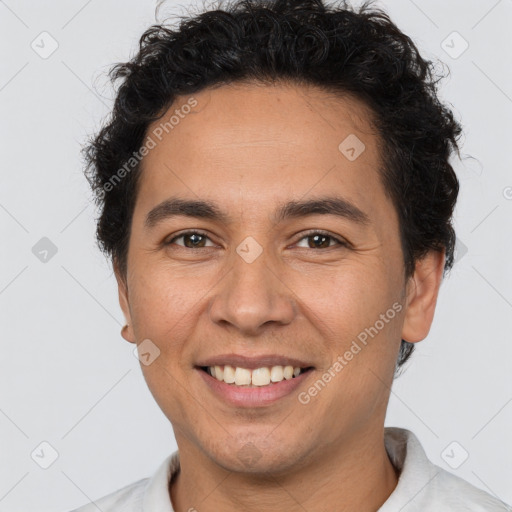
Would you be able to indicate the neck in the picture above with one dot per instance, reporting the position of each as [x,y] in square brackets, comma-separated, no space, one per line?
[356,476]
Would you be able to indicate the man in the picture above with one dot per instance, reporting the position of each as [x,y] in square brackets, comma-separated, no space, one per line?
[276,198]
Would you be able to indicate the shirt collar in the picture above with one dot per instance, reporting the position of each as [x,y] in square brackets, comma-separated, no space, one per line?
[156,495]
[416,471]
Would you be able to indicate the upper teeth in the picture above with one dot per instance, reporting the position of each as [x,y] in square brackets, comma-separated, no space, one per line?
[257,377]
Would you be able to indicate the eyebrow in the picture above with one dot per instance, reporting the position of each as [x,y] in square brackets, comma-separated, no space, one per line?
[331,205]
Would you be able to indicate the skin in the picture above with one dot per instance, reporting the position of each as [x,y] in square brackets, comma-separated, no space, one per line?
[249,147]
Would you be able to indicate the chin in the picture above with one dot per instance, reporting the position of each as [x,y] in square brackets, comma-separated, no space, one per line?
[253,458]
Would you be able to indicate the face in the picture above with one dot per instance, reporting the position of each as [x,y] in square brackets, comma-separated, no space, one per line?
[251,278]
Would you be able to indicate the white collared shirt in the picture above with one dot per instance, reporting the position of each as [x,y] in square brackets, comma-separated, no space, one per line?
[422,486]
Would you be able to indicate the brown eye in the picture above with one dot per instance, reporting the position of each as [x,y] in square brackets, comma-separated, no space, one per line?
[321,240]
[192,240]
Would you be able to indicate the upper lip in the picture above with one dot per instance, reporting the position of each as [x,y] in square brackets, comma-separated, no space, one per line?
[252,363]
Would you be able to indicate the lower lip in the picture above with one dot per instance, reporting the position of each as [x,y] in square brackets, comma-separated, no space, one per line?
[253,396]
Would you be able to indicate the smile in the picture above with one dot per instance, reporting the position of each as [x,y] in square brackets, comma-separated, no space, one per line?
[265,376]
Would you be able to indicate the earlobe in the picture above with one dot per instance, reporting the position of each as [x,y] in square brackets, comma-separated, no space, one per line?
[127,334]
[122,287]
[422,292]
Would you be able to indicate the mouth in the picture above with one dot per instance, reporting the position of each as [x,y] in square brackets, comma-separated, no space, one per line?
[253,380]
[265,376]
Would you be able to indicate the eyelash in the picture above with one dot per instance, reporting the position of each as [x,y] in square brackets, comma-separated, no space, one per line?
[308,234]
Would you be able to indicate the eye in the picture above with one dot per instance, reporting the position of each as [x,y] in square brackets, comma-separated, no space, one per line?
[321,239]
[196,239]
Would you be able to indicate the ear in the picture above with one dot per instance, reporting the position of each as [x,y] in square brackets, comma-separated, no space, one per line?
[422,291]
[122,287]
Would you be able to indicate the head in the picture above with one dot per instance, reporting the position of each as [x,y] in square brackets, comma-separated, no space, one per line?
[254,123]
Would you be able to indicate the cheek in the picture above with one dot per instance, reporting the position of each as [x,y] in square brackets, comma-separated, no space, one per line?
[162,306]
[162,310]
[360,317]
[345,301]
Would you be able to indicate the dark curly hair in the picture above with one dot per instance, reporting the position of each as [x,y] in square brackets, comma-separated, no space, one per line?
[333,47]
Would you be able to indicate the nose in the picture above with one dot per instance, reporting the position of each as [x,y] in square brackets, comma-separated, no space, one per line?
[252,295]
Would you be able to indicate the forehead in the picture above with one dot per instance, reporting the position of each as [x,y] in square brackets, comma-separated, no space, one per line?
[235,115]
[257,142]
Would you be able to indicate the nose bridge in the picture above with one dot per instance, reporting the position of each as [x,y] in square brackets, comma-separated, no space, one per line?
[252,293]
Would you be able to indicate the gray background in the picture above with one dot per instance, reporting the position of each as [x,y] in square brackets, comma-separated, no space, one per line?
[67,377]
